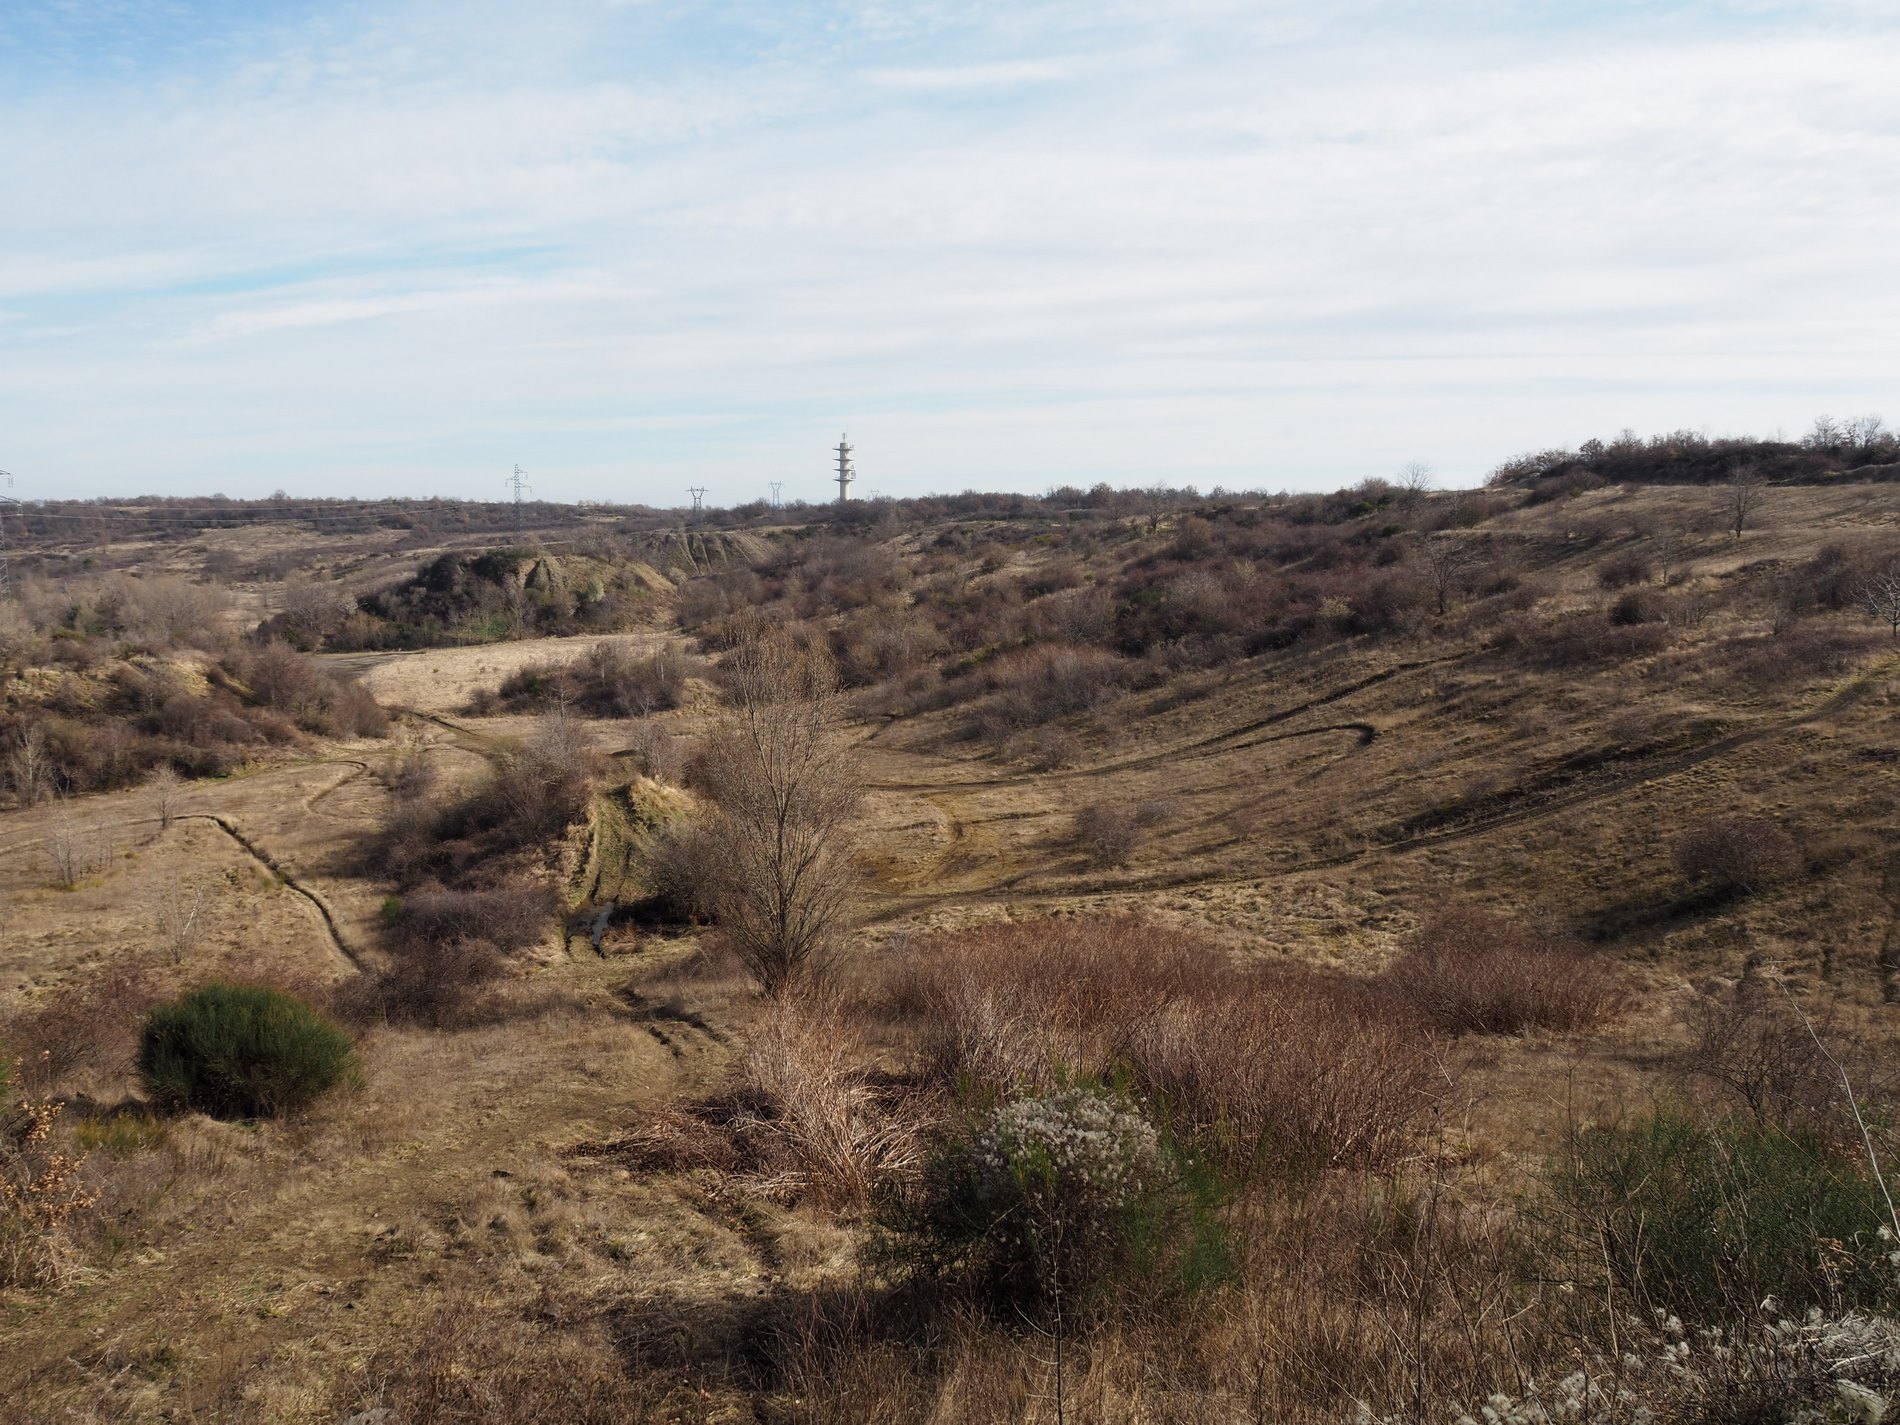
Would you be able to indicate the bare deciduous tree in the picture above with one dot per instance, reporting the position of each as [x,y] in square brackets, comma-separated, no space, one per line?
[1879,595]
[1415,481]
[74,852]
[1445,559]
[784,785]
[1671,543]
[30,765]
[178,912]
[1743,499]
[163,787]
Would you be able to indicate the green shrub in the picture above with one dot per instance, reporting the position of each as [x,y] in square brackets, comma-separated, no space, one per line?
[1063,1201]
[242,1051]
[1707,1218]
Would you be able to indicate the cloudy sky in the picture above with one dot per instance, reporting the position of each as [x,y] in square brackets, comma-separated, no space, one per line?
[395,248]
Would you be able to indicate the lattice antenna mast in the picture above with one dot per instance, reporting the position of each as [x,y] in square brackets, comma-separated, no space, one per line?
[518,483]
[6,577]
[845,473]
[776,485]
[698,492]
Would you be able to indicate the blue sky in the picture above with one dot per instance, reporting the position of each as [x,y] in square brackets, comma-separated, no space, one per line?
[634,245]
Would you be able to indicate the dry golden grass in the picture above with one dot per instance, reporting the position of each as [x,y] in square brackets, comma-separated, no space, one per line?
[430,1245]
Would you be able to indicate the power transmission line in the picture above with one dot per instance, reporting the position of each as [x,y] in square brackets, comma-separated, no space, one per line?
[6,576]
[519,485]
[698,492]
[776,485]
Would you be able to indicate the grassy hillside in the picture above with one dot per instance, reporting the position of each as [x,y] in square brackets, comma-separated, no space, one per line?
[1401,947]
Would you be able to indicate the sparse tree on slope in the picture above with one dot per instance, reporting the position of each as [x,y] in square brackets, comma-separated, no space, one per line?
[784,784]
[1745,486]
[1879,595]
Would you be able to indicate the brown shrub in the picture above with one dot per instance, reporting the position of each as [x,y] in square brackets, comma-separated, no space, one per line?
[1576,640]
[1107,835]
[1754,1048]
[606,681]
[436,984]
[1048,682]
[1637,606]
[1737,855]
[88,1029]
[536,791]
[1471,972]
[296,685]
[1619,571]
[1806,650]
[506,917]
[1281,1061]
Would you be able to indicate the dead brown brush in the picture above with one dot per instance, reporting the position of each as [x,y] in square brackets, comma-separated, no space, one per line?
[85,1032]
[1279,1061]
[1737,855]
[1471,972]
[42,1187]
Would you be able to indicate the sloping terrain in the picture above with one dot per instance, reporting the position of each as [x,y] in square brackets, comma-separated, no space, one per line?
[1314,801]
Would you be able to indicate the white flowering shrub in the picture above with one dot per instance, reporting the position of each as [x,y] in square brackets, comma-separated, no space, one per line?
[1816,1370]
[1056,1202]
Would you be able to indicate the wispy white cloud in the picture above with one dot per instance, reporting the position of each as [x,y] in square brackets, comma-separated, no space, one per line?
[1002,74]
[1032,243]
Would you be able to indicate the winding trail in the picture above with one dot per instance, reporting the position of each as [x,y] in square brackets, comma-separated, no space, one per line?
[276,868]
[1478,823]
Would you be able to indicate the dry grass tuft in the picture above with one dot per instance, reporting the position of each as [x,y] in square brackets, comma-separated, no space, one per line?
[803,1120]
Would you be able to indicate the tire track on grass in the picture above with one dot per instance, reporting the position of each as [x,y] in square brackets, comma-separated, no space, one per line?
[1478,824]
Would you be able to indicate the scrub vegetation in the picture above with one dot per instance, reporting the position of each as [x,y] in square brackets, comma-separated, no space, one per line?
[1122,955]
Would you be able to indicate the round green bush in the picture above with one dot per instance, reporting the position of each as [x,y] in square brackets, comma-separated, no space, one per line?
[242,1051]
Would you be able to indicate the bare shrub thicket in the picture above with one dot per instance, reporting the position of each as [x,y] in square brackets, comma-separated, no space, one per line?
[1277,1061]
[29,765]
[1755,1051]
[1631,566]
[1578,639]
[73,848]
[657,752]
[1047,682]
[437,984]
[1107,835]
[1468,971]
[783,783]
[84,1034]
[473,866]
[180,910]
[509,916]
[1737,855]
[1878,595]
[536,789]
[608,680]
[320,701]
[163,790]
